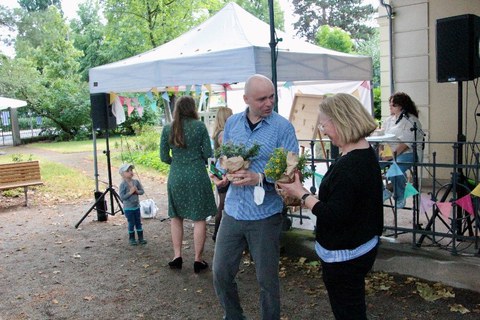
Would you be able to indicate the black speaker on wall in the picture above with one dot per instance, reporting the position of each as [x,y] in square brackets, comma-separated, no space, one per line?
[101,112]
[458,41]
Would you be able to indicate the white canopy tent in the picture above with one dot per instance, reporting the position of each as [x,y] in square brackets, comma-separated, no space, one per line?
[6,103]
[12,105]
[227,48]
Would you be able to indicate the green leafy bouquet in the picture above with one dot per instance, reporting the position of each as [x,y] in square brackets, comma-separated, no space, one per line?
[282,166]
[234,157]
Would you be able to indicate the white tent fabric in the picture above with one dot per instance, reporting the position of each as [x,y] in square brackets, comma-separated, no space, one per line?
[227,48]
[6,103]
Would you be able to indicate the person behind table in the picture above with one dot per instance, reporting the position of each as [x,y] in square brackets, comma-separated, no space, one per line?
[129,191]
[185,146]
[244,222]
[223,113]
[404,114]
[349,209]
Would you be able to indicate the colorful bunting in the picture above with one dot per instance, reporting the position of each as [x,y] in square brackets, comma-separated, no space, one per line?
[141,100]
[410,190]
[465,203]
[150,95]
[155,90]
[445,208]
[198,89]
[140,111]
[394,170]
[425,203]
[476,191]
[153,106]
[166,97]
[188,87]
[113,96]
[287,84]
[227,86]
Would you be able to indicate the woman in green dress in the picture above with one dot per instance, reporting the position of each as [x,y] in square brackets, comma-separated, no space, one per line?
[185,146]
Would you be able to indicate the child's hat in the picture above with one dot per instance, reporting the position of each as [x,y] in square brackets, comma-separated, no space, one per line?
[124,167]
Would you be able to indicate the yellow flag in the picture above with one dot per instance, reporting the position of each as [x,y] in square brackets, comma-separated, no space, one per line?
[387,151]
[476,191]
[112,97]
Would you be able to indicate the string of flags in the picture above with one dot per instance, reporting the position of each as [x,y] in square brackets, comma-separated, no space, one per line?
[149,98]
[426,203]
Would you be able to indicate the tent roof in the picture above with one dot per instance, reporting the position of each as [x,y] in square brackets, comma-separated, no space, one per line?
[6,103]
[228,47]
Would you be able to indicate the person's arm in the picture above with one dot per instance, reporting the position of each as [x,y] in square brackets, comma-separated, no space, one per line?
[164,147]
[139,186]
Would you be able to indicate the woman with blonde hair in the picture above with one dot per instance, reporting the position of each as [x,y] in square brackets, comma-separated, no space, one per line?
[349,206]
[223,113]
[185,146]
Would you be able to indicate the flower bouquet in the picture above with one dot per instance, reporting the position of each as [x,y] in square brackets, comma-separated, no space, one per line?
[235,157]
[282,166]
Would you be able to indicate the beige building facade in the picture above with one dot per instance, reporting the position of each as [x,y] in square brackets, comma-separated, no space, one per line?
[409,64]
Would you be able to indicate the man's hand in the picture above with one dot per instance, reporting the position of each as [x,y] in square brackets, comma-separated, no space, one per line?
[244,178]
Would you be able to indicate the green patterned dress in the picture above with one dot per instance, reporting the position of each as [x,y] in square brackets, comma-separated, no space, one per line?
[190,192]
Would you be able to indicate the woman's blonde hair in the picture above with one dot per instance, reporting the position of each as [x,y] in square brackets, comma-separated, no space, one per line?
[351,119]
[222,115]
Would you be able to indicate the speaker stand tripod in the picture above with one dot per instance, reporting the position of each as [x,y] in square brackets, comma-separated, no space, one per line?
[457,187]
[99,203]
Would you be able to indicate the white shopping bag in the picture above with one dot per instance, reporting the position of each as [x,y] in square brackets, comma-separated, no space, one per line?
[148,209]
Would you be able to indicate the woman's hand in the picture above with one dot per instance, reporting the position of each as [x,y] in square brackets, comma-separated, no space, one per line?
[220,183]
[294,189]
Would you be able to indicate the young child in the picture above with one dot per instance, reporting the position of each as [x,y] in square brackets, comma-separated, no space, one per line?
[130,189]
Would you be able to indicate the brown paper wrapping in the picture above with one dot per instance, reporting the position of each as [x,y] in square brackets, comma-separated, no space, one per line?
[233,164]
[288,177]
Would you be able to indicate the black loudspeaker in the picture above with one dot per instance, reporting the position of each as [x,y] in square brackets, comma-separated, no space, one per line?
[101,112]
[458,41]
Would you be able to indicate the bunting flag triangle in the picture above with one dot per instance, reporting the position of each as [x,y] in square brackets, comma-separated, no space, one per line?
[287,84]
[465,203]
[476,191]
[198,89]
[140,111]
[227,86]
[387,151]
[153,106]
[155,90]
[129,106]
[394,170]
[209,87]
[445,208]
[426,203]
[188,87]
[165,96]
[141,100]
[150,95]
[410,190]
[113,96]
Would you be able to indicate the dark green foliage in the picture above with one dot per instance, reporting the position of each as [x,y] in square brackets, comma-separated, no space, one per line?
[230,150]
[348,15]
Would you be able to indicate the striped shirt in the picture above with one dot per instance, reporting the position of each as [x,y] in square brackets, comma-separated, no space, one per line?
[346,254]
[272,132]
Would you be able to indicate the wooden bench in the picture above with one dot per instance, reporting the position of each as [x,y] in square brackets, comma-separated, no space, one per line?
[20,174]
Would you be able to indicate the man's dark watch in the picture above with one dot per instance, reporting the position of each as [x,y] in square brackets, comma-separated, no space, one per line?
[304,197]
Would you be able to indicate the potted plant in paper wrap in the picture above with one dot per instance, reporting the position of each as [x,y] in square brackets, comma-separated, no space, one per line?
[281,167]
[234,157]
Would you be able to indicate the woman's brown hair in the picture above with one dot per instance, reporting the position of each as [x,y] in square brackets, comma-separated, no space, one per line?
[184,108]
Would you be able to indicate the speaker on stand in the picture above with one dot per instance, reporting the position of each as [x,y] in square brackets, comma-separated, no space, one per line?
[458,60]
[103,119]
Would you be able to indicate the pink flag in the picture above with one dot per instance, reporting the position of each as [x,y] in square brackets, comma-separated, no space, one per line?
[129,106]
[445,208]
[366,85]
[227,86]
[466,204]
[426,203]
[140,111]
[122,100]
